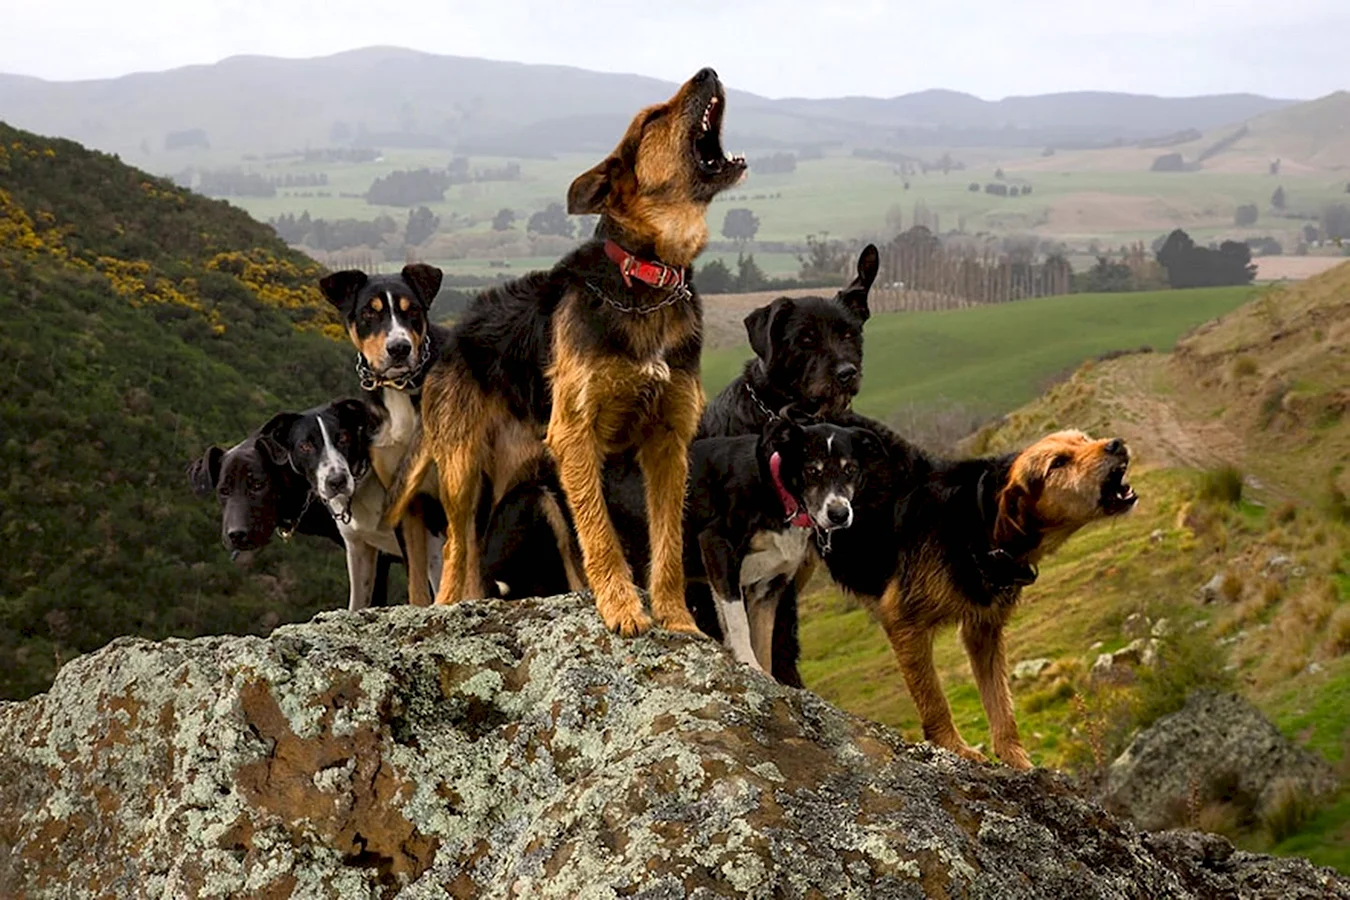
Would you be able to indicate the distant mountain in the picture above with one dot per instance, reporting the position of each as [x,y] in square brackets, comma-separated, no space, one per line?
[1312,135]
[141,323]
[386,96]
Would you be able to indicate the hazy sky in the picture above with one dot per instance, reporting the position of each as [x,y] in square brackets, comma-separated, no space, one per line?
[814,48]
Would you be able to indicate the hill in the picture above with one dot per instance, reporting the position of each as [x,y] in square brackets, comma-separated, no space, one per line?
[1241,440]
[988,360]
[390,98]
[142,322]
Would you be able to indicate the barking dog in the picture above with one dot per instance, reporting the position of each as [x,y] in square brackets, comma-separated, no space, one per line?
[754,504]
[597,356]
[330,446]
[935,543]
[387,320]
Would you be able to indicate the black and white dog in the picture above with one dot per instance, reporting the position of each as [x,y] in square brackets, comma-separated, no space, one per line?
[387,320]
[260,497]
[329,446]
[755,506]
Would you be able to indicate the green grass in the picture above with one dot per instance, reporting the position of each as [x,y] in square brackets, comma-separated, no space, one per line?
[992,359]
[846,197]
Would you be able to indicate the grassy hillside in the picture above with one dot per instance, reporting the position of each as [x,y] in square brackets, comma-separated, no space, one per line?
[141,323]
[1242,440]
[989,360]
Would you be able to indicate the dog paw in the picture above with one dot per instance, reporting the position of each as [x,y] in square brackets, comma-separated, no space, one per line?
[629,621]
[1015,757]
[682,625]
[968,752]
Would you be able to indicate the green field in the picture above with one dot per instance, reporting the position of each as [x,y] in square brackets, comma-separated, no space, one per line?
[851,198]
[992,359]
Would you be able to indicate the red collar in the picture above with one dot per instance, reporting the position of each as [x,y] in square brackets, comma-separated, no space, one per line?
[658,275]
[797,515]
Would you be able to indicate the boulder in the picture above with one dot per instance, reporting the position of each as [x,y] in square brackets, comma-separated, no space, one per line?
[1216,737]
[1030,668]
[495,750]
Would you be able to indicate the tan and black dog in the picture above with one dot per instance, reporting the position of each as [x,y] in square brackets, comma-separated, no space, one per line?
[937,542]
[597,356]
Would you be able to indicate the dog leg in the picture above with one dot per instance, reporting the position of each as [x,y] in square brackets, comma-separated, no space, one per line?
[719,562]
[913,646]
[761,603]
[664,460]
[573,441]
[984,646]
[415,543]
[361,560]
[461,480]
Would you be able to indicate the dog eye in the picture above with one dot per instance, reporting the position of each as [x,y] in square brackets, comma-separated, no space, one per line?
[850,468]
[370,313]
[1060,461]
[342,440]
[255,485]
[306,447]
[818,467]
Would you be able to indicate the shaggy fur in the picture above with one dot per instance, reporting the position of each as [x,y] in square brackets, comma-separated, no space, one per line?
[587,364]
[939,542]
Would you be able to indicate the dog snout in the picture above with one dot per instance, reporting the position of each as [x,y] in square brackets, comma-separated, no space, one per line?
[336,484]
[707,73]
[398,351]
[237,538]
[847,374]
[839,512]
[1116,447]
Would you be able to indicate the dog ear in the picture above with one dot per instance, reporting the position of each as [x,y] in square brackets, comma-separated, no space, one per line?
[783,434]
[854,297]
[760,326]
[356,414]
[341,288]
[868,443]
[204,473]
[425,281]
[591,188]
[272,438]
[1014,506]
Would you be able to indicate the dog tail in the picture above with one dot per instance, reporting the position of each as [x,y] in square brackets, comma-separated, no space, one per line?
[412,472]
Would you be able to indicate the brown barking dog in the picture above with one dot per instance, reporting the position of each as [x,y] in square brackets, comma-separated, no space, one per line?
[936,543]
[598,356]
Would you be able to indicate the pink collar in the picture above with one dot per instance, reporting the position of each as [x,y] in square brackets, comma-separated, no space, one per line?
[797,515]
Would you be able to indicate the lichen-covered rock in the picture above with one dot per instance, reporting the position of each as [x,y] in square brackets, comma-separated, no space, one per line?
[498,750]
[1215,738]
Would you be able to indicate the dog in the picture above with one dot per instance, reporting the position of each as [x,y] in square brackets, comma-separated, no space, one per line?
[808,354]
[330,446]
[599,355]
[387,319]
[756,505]
[937,542]
[259,498]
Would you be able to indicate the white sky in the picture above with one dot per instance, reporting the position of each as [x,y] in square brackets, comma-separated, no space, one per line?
[819,48]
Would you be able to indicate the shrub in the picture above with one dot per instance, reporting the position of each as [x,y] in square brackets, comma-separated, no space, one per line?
[1187,661]
[1222,485]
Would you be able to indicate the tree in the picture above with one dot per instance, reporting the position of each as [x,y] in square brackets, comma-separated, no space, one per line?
[895,219]
[998,173]
[1106,277]
[552,219]
[1190,266]
[504,219]
[749,276]
[740,225]
[404,188]
[823,258]
[422,224]
[1335,222]
[714,278]
[1245,215]
[1277,198]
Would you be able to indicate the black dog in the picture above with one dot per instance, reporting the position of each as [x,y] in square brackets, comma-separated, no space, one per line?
[258,498]
[808,354]
[330,447]
[755,505]
[397,343]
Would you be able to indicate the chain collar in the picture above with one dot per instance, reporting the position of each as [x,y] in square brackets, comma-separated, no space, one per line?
[409,381]
[287,532]
[678,294]
[760,403]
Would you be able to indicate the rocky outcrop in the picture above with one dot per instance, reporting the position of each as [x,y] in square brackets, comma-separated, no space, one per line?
[497,750]
[1216,739]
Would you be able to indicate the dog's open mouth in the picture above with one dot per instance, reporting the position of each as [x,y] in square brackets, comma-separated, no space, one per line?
[711,158]
[1117,495]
